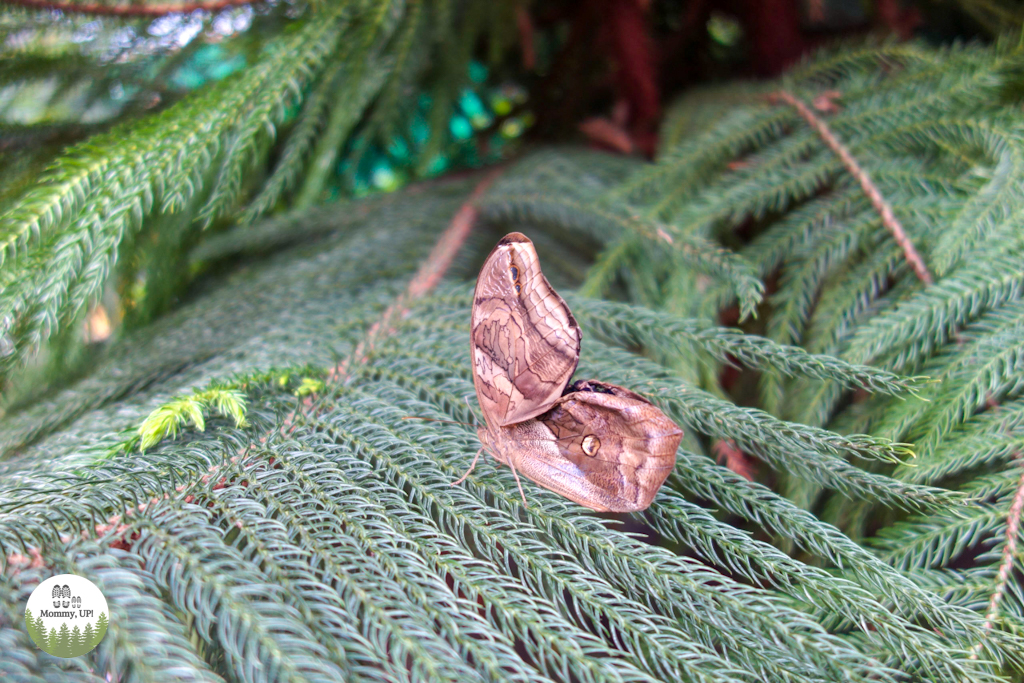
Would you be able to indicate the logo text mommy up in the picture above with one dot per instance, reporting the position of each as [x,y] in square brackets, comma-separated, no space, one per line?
[84,613]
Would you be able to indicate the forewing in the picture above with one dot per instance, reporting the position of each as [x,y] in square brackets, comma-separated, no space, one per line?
[525,341]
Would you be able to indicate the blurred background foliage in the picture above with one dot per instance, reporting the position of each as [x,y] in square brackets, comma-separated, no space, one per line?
[206,206]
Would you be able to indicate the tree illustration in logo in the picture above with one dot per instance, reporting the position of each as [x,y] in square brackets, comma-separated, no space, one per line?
[36,629]
[64,641]
[101,627]
[33,627]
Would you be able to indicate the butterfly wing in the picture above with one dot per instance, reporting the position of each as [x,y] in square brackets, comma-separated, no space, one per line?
[525,342]
[601,446]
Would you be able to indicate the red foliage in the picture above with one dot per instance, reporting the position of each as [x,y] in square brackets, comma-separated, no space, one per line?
[776,40]
[625,30]
[525,26]
[897,18]
[731,456]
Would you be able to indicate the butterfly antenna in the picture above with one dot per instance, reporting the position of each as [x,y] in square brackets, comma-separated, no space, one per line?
[471,466]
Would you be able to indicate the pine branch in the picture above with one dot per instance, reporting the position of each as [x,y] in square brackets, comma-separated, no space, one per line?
[166,420]
[927,319]
[631,326]
[805,455]
[870,189]
[162,156]
[351,102]
[253,624]
[854,602]
[985,439]
[984,211]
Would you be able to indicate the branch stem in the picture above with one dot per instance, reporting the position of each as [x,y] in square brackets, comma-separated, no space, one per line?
[1009,555]
[883,207]
[134,9]
[426,278]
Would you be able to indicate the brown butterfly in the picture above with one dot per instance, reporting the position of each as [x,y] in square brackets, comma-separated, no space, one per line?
[595,443]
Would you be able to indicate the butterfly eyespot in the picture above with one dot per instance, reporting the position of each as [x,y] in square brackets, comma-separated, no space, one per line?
[514,271]
[591,444]
[517,289]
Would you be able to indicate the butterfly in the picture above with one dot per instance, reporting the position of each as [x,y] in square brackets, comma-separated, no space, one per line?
[598,444]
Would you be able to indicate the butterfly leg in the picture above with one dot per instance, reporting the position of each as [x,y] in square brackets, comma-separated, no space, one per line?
[471,466]
[518,483]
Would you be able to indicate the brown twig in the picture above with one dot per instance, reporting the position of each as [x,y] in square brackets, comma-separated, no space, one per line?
[870,189]
[1009,555]
[153,9]
[525,25]
[429,274]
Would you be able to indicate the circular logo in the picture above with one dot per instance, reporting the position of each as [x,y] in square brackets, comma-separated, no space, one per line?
[66,615]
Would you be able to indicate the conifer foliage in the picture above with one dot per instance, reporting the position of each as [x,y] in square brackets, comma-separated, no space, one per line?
[240,479]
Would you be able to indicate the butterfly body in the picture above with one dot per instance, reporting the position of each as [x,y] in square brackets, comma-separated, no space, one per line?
[597,444]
